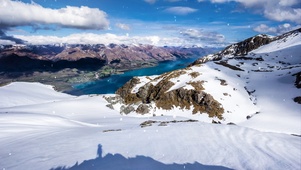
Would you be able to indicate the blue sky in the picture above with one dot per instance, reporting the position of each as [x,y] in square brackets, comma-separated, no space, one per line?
[158,22]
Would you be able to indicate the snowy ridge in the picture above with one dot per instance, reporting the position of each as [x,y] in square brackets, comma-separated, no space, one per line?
[247,87]
[252,43]
[16,94]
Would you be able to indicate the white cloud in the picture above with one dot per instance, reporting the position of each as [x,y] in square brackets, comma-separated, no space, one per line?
[123,26]
[6,42]
[173,0]
[203,36]
[150,1]
[91,38]
[180,10]
[278,10]
[263,28]
[285,14]
[17,13]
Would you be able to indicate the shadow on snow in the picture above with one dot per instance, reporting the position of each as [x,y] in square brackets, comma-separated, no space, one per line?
[117,161]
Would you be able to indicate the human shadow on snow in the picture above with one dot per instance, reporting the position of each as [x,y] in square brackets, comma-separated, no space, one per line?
[119,162]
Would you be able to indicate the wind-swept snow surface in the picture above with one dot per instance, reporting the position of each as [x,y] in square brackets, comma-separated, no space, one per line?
[67,132]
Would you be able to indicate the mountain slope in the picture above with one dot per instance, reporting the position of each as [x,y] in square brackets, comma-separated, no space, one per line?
[251,83]
[68,132]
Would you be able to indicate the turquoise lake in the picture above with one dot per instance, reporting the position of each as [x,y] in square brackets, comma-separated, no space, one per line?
[110,84]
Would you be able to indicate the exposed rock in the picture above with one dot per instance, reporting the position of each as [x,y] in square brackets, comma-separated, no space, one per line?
[216,122]
[113,99]
[225,64]
[126,109]
[164,123]
[194,74]
[298,80]
[125,91]
[297,99]
[147,123]
[110,106]
[223,82]
[111,130]
[167,99]
[143,109]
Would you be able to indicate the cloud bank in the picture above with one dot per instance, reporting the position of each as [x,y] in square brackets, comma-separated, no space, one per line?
[277,10]
[17,13]
[91,38]
[123,26]
[263,28]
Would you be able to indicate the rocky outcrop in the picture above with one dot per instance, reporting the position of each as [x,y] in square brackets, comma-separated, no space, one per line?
[143,109]
[160,94]
[298,80]
[125,91]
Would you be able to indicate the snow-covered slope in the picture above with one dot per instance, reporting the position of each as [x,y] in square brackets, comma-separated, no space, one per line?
[255,88]
[82,133]
[17,94]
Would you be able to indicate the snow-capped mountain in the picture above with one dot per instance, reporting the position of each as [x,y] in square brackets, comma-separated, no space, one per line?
[244,47]
[255,80]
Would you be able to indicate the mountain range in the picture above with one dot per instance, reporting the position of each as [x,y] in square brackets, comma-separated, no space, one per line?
[89,57]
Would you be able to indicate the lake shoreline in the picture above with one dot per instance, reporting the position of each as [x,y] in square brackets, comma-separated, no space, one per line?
[64,80]
[111,83]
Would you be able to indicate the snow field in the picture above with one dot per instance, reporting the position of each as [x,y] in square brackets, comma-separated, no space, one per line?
[38,138]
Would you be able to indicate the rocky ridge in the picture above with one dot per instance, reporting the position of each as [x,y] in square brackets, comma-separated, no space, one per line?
[242,48]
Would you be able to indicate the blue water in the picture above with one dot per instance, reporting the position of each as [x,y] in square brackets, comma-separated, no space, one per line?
[110,84]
